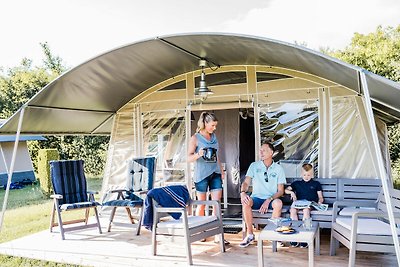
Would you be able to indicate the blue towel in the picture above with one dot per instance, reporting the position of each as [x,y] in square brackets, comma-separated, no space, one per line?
[173,196]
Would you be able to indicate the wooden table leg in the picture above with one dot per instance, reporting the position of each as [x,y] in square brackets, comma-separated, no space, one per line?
[311,253]
[260,253]
[274,246]
[317,242]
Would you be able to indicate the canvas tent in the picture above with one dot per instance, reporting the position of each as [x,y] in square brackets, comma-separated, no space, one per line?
[313,107]
[23,168]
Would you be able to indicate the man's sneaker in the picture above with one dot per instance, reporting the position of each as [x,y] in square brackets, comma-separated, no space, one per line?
[303,245]
[247,241]
[294,244]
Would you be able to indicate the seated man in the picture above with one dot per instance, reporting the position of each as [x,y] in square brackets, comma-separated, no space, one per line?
[268,180]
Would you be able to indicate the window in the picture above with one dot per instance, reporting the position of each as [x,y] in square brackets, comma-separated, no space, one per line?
[293,129]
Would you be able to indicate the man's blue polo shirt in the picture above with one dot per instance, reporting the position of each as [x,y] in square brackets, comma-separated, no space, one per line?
[265,188]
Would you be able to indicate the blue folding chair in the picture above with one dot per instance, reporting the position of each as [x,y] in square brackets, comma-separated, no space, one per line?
[140,179]
[70,193]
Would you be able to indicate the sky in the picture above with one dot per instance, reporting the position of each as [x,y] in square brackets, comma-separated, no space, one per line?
[78,30]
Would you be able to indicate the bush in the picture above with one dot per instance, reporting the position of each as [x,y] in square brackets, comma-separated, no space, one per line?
[44,156]
[92,149]
[396,174]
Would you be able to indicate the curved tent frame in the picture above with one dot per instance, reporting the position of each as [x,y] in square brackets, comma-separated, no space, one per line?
[86,99]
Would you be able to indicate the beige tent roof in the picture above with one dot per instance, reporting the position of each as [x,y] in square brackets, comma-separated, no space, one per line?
[84,99]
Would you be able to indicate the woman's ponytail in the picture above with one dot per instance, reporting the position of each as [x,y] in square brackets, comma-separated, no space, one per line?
[205,117]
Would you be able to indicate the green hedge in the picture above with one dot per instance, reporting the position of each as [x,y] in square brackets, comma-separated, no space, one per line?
[44,156]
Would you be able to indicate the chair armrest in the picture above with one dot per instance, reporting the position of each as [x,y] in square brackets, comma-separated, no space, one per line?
[344,203]
[92,192]
[117,191]
[373,214]
[56,196]
[120,191]
[168,210]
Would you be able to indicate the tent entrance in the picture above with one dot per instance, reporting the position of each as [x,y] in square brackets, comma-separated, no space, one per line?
[246,141]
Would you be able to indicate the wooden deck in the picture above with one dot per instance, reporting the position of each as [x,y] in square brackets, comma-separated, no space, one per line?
[121,247]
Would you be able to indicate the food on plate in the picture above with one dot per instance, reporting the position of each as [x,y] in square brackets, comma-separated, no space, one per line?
[285,229]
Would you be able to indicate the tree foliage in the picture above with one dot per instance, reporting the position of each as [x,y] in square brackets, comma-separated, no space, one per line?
[19,84]
[378,52]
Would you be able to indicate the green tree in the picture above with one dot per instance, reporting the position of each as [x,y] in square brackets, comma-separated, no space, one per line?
[19,84]
[378,52]
[51,62]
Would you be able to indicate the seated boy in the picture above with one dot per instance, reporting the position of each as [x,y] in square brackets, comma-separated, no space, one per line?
[305,189]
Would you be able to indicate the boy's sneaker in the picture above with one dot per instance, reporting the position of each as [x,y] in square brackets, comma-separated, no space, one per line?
[226,242]
[294,244]
[304,245]
[247,241]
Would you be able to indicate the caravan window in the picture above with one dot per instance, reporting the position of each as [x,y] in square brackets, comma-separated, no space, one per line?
[293,128]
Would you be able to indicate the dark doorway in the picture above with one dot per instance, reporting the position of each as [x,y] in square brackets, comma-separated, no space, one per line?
[233,214]
[246,141]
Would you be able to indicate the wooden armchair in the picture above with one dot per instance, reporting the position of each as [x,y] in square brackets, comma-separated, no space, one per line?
[366,228]
[187,228]
[140,179]
[70,193]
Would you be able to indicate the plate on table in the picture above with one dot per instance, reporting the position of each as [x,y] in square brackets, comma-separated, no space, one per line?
[285,230]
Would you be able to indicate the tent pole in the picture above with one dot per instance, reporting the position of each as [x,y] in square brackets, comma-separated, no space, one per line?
[11,170]
[257,131]
[382,172]
[188,173]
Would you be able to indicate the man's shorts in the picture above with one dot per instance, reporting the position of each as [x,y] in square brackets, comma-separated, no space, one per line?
[257,203]
[212,182]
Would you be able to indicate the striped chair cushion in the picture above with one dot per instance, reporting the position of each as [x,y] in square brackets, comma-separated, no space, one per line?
[79,205]
[69,180]
[141,173]
[123,203]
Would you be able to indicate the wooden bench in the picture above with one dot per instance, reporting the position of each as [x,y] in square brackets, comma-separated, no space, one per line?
[343,189]
[364,229]
[333,189]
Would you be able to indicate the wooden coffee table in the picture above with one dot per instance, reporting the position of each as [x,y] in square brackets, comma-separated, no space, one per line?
[301,235]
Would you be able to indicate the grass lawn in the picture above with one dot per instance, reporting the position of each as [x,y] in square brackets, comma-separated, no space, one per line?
[28,211]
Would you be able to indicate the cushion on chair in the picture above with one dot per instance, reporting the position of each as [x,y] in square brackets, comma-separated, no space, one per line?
[349,211]
[69,180]
[79,205]
[141,174]
[193,221]
[367,226]
[123,203]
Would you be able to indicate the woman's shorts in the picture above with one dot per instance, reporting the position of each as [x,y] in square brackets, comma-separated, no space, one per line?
[212,182]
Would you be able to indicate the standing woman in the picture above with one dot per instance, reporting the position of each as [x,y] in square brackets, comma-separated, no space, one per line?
[203,151]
